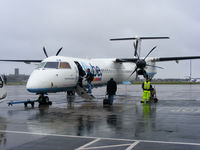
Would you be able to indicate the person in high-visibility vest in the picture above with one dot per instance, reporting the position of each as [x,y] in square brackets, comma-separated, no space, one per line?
[146,86]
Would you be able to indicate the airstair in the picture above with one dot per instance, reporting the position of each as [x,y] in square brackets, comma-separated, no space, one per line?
[82,92]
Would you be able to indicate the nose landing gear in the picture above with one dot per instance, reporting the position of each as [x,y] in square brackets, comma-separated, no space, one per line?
[70,93]
[44,100]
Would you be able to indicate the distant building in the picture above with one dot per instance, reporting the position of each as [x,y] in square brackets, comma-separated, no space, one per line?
[16,72]
[17,77]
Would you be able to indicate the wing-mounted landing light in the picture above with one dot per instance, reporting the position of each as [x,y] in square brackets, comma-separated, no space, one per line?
[140,63]
[45,52]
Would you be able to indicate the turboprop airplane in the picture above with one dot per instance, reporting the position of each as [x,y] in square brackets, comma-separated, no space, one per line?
[3,92]
[62,74]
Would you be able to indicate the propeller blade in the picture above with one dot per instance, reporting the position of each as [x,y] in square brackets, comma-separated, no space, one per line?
[155,66]
[45,52]
[59,51]
[134,45]
[136,78]
[150,52]
[136,48]
[133,71]
[145,74]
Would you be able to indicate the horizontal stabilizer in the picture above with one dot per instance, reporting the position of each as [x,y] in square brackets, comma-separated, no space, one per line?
[137,38]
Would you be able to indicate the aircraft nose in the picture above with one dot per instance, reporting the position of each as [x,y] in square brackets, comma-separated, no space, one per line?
[37,82]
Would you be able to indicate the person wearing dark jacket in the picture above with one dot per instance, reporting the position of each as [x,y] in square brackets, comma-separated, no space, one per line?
[89,78]
[111,90]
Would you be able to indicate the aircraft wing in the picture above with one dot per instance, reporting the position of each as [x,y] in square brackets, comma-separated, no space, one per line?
[160,59]
[25,61]
[120,60]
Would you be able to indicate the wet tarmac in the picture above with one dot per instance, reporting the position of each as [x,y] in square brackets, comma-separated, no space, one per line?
[74,123]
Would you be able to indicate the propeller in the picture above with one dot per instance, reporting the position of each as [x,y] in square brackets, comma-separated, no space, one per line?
[150,52]
[59,51]
[45,52]
[135,45]
[155,66]
[141,63]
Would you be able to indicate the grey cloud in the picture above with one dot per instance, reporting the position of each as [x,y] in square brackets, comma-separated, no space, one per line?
[84,28]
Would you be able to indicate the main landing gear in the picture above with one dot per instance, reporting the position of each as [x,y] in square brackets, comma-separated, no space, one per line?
[44,100]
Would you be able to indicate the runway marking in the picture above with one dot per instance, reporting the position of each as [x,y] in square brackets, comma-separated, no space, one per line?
[73,136]
[62,135]
[108,146]
[86,145]
[133,145]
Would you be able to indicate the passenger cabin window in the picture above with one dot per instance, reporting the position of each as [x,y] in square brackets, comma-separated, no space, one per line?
[53,65]
[64,65]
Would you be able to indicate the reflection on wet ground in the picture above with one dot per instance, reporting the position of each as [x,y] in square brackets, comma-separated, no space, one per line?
[174,118]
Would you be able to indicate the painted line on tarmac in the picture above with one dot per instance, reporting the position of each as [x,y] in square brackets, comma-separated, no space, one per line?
[88,144]
[108,146]
[133,145]
[62,135]
[73,136]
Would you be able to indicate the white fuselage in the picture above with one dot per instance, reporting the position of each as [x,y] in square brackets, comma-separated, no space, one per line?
[3,92]
[58,73]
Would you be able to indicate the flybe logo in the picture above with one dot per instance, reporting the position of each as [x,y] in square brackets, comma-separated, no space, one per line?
[94,69]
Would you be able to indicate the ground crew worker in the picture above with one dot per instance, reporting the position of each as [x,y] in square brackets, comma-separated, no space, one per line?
[111,90]
[146,86]
[89,77]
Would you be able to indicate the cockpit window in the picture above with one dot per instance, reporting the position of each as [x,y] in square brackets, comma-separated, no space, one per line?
[64,65]
[41,65]
[51,65]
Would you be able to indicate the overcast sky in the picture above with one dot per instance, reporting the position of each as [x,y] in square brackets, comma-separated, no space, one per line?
[84,27]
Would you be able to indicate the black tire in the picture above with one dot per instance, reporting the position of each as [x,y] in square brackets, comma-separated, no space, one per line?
[46,99]
[50,102]
[40,99]
[25,104]
[70,93]
[32,104]
[155,100]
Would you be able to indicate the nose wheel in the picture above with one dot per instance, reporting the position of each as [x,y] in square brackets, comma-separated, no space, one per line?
[44,100]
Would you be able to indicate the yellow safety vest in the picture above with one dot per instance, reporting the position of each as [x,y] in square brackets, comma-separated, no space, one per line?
[146,85]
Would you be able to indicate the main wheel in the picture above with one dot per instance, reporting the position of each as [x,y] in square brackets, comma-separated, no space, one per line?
[25,104]
[32,104]
[50,102]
